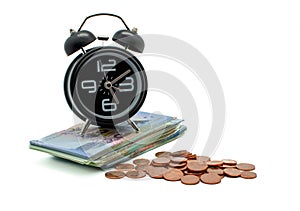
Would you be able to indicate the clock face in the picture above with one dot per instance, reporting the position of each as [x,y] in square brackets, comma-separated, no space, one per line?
[107,86]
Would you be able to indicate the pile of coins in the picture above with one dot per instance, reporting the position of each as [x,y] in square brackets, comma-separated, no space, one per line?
[183,166]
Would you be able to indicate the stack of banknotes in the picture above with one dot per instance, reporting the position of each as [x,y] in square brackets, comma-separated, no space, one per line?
[105,147]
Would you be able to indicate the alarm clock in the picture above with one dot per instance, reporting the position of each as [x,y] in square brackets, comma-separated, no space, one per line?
[105,85]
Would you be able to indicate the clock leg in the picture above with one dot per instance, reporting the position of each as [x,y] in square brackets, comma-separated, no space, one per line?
[85,127]
[133,125]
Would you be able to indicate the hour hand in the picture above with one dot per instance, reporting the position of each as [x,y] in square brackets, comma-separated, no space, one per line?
[114,95]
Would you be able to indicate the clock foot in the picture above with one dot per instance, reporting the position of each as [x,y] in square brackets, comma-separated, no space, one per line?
[85,127]
[132,124]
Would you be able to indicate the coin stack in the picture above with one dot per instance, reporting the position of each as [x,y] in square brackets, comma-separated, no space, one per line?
[183,166]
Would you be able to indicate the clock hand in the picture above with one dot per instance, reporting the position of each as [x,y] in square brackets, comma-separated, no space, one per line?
[117,88]
[114,95]
[105,77]
[120,76]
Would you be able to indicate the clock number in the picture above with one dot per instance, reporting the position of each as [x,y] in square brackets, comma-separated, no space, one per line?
[89,85]
[107,106]
[128,83]
[106,67]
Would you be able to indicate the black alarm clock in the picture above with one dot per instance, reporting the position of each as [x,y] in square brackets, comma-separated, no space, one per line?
[105,85]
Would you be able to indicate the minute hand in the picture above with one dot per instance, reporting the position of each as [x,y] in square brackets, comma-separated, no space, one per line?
[119,77]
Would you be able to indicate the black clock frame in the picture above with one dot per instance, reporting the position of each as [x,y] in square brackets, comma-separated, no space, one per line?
[72,73]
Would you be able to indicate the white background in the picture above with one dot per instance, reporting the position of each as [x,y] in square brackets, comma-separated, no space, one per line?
[254,48]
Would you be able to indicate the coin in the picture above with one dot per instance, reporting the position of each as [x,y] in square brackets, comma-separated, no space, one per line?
[163,154]
[124,166]
[134,174]
[245,166]
[181,153]
[190,179]
[210,178]
[203,158]
[181,168]
[214,163]
[141,162]
[160,161]
[178,160]
[227,166]
[194,165]
[191,157]
[177,165]
[185,166]
[215,170]
[187,172]
[156,172]
[142,168]
[232,172]
[114,174]
[248,175]
[173,175]
[229,162]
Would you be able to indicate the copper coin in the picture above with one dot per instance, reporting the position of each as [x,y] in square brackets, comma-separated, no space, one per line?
[211,178]
[173,175]
[177,165]
[181,153]
[178,160]
[229,162]
[203,158]
[232,172]
[214,163]
[194,165]
[163,154]
[187,172]
[158,165]
[215,170]
[124,166]
[191,157]
[245,166]
[142,168]
[114,174]
[135,174]
[160,161]
[179,168]
[248,175]
[227,166]
[158,168]
[190,179]
[156,172]
[141,162]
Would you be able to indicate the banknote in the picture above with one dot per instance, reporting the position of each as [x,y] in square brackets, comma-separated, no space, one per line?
[98,142]
[123,154]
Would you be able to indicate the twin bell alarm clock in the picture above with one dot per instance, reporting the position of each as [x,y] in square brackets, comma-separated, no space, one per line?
[105,85]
